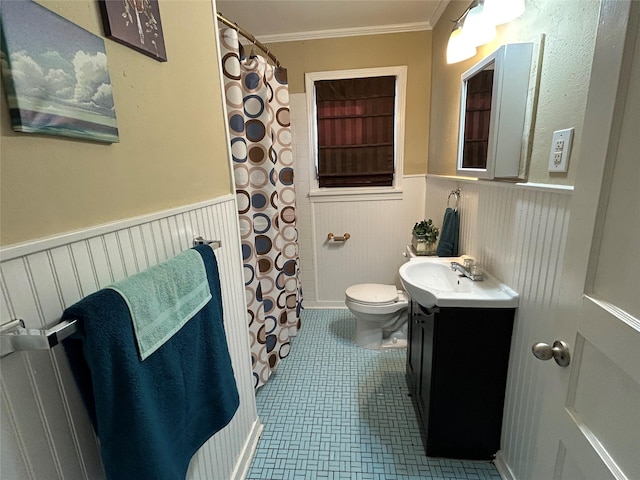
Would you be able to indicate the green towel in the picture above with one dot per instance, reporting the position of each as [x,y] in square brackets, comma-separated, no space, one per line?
[163,298]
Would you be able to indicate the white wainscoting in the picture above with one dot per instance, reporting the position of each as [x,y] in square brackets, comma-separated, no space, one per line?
[518,232]
[45,430]
[380,231]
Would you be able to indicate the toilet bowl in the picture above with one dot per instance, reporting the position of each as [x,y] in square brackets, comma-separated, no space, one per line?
[381,313]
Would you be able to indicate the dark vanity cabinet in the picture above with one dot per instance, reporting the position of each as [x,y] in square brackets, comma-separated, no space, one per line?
[456,371]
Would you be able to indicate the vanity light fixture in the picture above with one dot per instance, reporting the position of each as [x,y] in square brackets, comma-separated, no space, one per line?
[477,26]
[503,11]
[458,48]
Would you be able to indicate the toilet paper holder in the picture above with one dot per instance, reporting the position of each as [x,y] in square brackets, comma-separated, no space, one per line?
[335,238]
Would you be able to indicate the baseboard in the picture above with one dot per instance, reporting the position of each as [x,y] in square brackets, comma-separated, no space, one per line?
[308,305]
[502,467]
[249,449]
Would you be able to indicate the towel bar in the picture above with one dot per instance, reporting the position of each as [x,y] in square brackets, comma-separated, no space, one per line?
[335,238]
[14,337]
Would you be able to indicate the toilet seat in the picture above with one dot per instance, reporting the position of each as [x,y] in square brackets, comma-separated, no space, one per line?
[376,299]
[372,294]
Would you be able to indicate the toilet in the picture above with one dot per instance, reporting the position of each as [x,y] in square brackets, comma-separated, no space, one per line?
[381,312]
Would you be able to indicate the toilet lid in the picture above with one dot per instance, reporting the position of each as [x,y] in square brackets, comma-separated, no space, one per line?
[372,293]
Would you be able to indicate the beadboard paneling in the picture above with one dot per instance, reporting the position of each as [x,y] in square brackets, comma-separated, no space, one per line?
[380,231]
[518,233]
[45,430]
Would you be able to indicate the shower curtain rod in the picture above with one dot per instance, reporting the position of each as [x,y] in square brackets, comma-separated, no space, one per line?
[247,35]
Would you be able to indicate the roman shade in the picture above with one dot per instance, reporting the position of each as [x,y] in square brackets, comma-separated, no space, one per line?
[355,129]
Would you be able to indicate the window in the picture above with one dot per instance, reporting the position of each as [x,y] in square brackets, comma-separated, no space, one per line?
[357,129]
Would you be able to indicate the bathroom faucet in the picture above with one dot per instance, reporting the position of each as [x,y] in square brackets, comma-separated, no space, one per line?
[466,271]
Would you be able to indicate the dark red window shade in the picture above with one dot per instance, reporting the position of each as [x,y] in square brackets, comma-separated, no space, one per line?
[476,120]
[356,120]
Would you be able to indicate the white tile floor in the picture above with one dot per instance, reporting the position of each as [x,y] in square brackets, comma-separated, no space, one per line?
[333,410]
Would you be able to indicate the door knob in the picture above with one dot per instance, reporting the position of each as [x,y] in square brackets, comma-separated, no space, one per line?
[559,352]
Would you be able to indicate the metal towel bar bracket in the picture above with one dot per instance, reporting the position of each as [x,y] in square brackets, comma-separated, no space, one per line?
[14,337]
[456,194]
[202,241]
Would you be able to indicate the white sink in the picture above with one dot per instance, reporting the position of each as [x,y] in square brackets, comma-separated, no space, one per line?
[431,282]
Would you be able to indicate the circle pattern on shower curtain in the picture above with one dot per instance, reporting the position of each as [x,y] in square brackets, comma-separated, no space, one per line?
[239,150]
[259,177]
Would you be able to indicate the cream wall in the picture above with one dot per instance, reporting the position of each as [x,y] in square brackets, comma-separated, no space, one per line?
[412,49]
[569,29]
[172,139]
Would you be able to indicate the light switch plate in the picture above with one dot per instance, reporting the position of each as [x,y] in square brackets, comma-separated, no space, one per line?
[560,150]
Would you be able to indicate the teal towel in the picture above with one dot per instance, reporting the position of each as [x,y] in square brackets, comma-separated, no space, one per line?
[163,298]
[152,416]
[448,245]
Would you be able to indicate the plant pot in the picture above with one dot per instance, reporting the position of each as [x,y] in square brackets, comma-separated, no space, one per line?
[422,246]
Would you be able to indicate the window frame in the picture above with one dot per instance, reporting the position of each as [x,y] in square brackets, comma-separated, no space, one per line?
[317,193]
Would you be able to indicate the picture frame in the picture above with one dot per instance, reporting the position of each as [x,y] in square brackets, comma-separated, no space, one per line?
[56,76]
[136,24]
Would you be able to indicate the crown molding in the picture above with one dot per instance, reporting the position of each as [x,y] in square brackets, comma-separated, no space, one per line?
[442,6]
[346,32]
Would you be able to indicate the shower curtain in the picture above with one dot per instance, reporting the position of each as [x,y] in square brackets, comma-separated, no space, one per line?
[257,99]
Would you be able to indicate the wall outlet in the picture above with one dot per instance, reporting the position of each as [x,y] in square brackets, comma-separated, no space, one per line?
[560,150]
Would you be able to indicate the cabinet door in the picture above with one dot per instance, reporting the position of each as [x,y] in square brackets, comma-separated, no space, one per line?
[496,124]
[427,324]
[469,371]
[414,349]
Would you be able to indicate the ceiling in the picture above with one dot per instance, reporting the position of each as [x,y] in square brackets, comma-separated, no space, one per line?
[289,20]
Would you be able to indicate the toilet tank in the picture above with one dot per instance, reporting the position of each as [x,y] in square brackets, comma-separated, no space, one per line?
[409,252]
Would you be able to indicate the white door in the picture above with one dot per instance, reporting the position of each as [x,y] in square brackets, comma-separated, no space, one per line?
[590,426]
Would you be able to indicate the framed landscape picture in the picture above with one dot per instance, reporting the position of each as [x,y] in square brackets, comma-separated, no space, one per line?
[136,24]
[55,75]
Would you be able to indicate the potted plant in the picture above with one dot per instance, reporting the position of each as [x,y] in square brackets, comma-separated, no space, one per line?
[425,237]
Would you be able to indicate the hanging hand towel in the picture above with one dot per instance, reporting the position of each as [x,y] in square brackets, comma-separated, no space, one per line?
[152,416]
[163,298]
[448,245]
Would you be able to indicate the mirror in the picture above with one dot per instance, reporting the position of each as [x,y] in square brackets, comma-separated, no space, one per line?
[496,104]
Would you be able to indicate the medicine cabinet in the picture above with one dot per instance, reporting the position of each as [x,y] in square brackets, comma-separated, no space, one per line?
[496,113]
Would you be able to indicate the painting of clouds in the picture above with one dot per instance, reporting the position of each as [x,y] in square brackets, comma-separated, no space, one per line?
[55,75]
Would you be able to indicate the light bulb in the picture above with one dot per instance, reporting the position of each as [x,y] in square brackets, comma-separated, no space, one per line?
[459,48]
[478,27]
[503,11]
